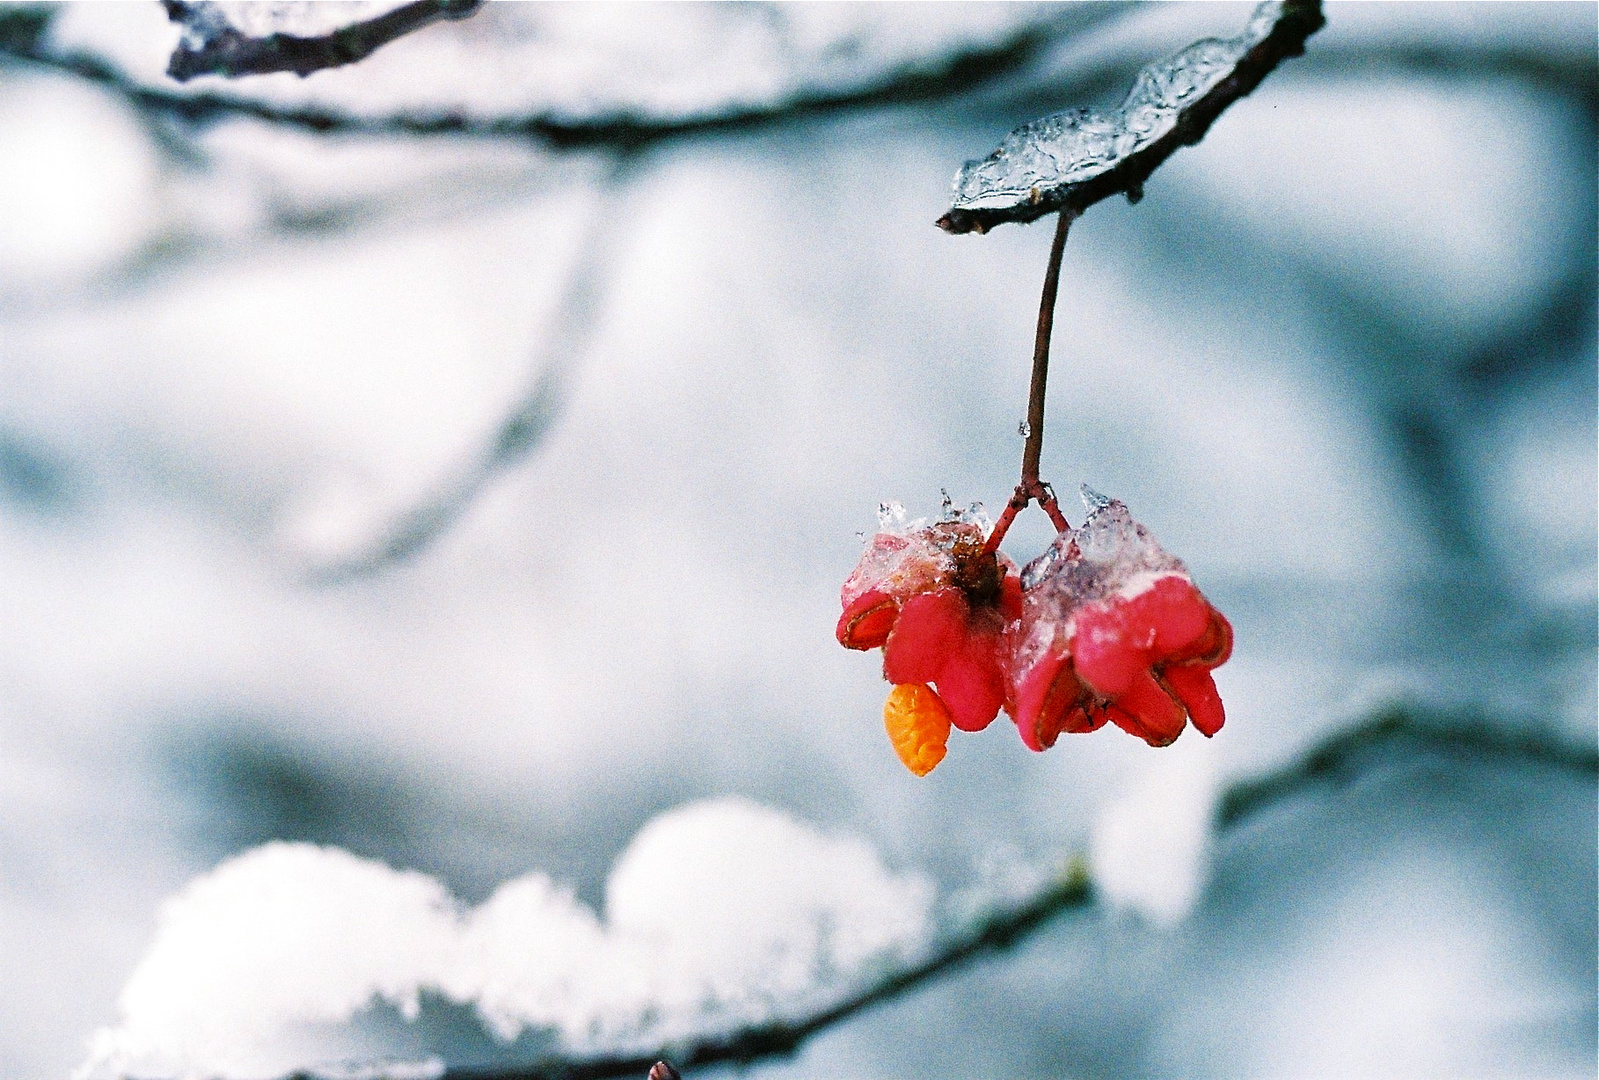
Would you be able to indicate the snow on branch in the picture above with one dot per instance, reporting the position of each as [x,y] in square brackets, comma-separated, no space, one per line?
[1069,161]
[995,932]
[646,883]
[1343,759]
[212,44]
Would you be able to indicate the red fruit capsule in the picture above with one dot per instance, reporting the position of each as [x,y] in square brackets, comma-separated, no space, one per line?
[1105,627]
[1113,629]
[938,604]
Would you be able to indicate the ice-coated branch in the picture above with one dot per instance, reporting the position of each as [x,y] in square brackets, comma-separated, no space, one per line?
[1069,161]
[22,37]
[1341,760]
[211,45]
[1066,162]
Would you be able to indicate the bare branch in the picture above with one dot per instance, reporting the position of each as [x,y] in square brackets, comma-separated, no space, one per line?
[212,46]
[913,83]
[531,416]
[1085,157]
[1348,755]
[1575,74]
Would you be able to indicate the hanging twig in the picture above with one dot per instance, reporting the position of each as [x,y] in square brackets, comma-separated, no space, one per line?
[1033,449]
[1031,487]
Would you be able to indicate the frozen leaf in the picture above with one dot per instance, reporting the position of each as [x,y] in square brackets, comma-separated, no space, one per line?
[1072,159]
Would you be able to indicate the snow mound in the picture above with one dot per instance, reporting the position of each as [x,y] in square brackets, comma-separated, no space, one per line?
[719,913]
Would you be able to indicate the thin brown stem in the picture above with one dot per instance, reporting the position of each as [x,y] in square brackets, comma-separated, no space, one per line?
[1031,487]
[1052,508]
[1018,502]
[1034,447]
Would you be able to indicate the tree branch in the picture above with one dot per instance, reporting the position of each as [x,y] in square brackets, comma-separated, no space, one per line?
[532,416]
[1349,755]
[212,46]
[22,37]
[781,1038]
[1343,759]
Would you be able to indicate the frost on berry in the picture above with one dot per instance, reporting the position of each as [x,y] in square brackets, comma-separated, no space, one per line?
[1112,628]
[938,604]
[1104,626]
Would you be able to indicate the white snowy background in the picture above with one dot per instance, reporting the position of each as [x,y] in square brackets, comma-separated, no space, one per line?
[591,761]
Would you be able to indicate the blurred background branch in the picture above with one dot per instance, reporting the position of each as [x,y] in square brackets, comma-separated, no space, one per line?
[22,37]
[560,351]
[212,46]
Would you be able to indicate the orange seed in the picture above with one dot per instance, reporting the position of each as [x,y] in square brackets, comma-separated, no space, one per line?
[918,725]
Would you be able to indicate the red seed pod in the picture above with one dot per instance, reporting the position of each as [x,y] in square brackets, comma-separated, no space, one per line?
[1112,628]
[1105,626]
[938,604]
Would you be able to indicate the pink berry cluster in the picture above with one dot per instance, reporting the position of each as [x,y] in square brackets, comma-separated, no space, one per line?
[1104,626]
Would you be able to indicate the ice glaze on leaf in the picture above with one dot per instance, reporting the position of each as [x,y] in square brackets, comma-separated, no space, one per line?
[1073,159]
